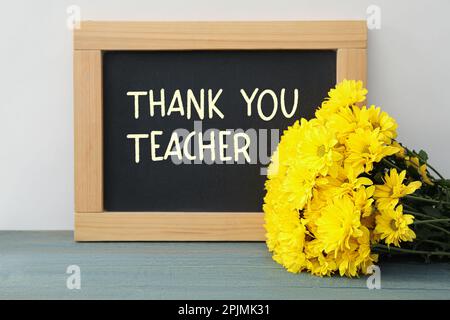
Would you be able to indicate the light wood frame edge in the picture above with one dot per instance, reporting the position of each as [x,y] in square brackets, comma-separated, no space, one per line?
[91,222]
[88,130]
[225,35]
[173,226]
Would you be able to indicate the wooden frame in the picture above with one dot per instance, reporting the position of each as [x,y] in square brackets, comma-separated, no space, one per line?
[349,38]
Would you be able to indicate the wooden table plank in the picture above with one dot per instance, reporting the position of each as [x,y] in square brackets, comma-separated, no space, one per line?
[33,265]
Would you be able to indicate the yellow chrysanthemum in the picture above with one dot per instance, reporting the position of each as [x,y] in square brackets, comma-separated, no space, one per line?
[424,174]
[392,226]
[318,151]
[286,151]
[373,118]
[401,154]
[298,185]
[339,221]
[365,147]
[288,239]
[346,261]
[313,210]
[322,265]
[342,124]
[345,94]
[278,218]
[363,200]
[348,92]
[318,262]
[357,256]
[347,181]
[421,169]
[388,194]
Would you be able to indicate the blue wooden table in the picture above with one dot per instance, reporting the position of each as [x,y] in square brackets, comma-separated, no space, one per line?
[33,266]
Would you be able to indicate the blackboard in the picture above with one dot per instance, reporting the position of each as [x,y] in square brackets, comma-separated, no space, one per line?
[165,186]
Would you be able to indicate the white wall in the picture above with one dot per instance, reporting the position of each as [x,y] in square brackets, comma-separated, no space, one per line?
[409,75]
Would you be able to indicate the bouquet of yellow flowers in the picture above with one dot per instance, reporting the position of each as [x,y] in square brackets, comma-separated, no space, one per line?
[341,191]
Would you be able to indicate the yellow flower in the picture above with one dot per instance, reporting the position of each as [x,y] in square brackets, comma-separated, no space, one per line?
[424,174]
[298,185]
[344,94]
[285,151]
[357,257]
[346,261]
[388,194]
[341,123]
[273,196]
[289,243]
[421,169]
[340,220]
[365,147]
[313,210]
[347,181]
[275,168]
[392,226]
[318,263]
[318,151]
[322,265]
[402,151]
[348,92]
[373,118]
[293,260]
[412,162]
[363,200]
[278,217]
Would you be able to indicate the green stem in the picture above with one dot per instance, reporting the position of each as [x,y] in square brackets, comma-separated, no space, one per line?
[430,253]
[414,213]
[408,206]
[434,242]
[431,221]
[435,171]
[391,164]
[426,199]
[428,165]
[438,228]
[415,210]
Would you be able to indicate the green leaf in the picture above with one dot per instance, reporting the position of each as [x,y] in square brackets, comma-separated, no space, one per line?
[423,155]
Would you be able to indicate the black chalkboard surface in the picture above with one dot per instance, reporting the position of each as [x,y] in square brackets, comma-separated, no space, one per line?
[167,186]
